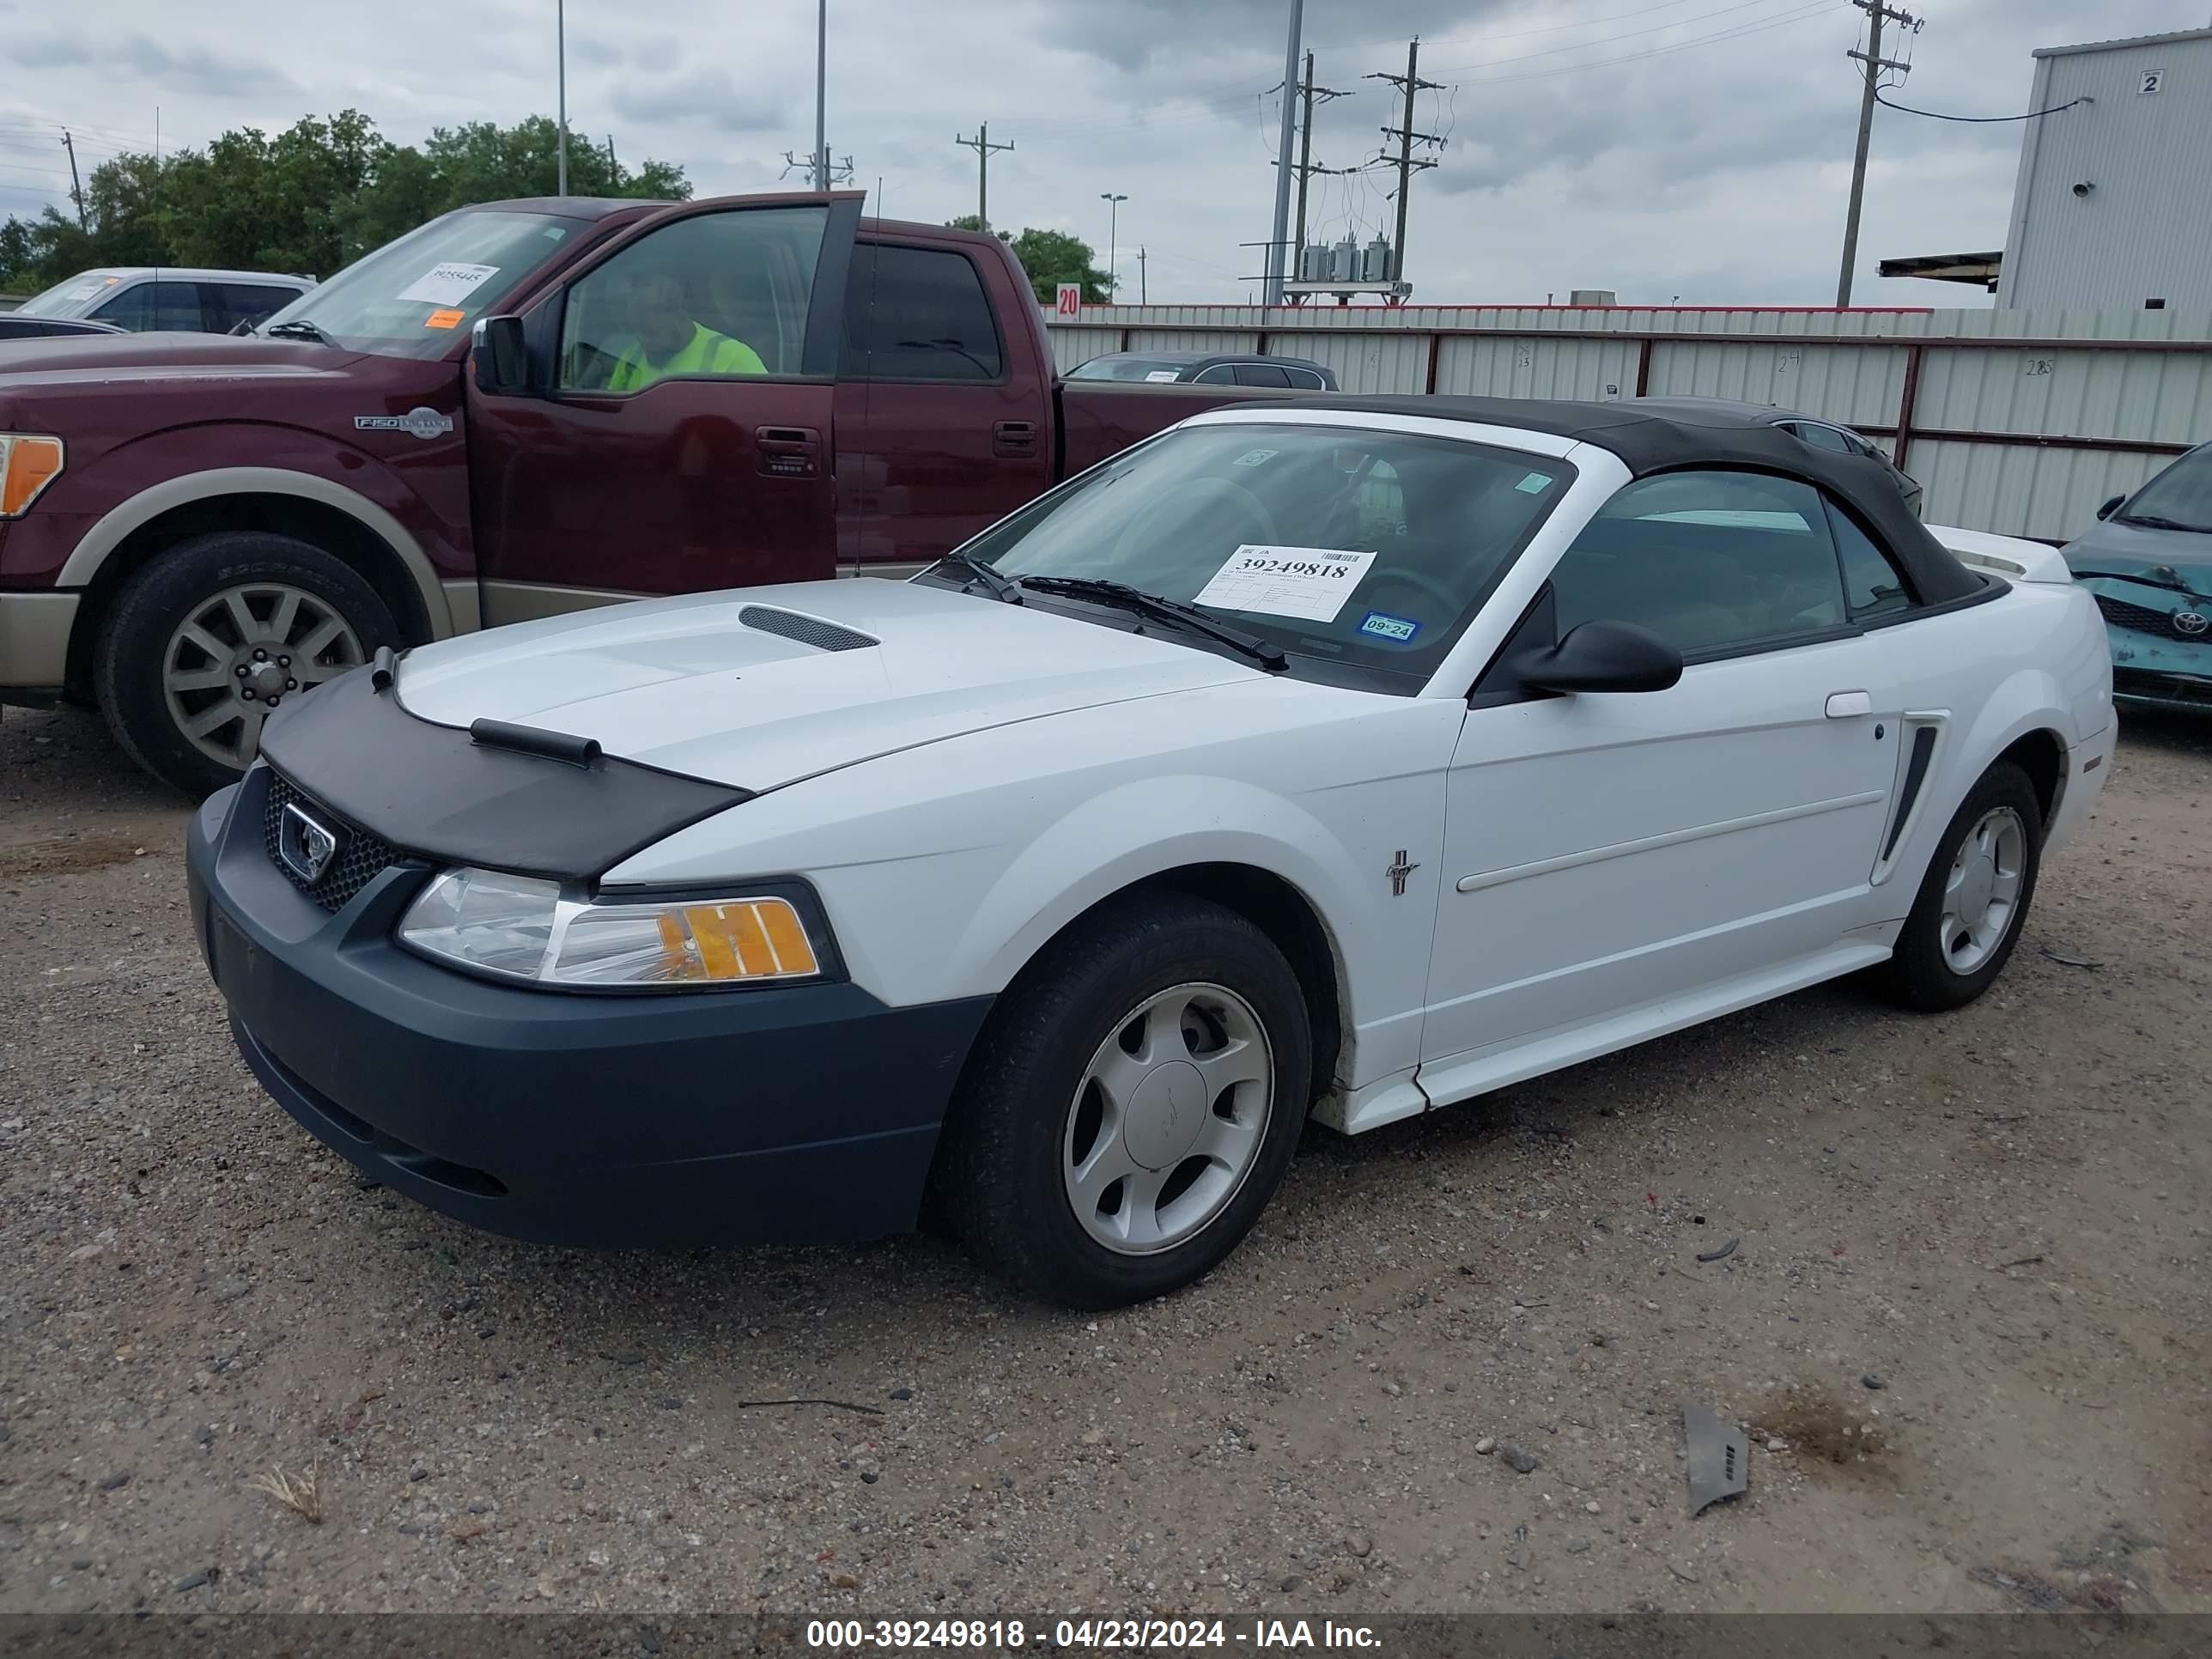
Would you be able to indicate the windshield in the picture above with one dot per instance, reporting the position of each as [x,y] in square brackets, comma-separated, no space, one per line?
[411,297]
[1127,368]
[2182,493]
[72,298]
[1370,550]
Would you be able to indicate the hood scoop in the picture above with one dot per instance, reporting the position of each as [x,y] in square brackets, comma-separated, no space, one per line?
[805,630]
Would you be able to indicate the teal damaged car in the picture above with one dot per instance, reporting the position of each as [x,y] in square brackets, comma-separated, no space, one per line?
[2149,564]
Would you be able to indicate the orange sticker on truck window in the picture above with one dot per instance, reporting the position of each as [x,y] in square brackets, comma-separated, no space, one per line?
[445,319]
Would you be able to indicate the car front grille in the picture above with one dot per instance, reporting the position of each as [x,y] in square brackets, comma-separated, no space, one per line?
[2139,618]
[361,856]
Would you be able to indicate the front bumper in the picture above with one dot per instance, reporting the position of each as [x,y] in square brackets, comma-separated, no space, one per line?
[2155,664]
[34,637]
[802,1114]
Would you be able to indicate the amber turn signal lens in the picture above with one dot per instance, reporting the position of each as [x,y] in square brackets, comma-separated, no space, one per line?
[27,466]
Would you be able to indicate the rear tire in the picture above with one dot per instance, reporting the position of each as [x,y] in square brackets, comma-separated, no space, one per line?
[1974,899]
[1132,1106]
[216,631]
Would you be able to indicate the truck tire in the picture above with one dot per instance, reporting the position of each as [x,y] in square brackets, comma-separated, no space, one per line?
[1132,1105]
[1972,902]
[216,631]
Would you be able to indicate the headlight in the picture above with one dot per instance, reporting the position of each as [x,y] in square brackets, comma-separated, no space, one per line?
[28,462]
[519,928]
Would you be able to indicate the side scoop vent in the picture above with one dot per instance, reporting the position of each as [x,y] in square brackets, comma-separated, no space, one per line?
[807,631]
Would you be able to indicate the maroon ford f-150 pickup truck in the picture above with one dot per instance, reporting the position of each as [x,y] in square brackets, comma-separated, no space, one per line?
[517,409]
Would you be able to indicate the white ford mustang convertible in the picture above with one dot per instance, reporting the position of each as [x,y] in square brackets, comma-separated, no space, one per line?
[1342,759]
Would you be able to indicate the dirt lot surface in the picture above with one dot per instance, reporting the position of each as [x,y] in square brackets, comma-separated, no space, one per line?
[1999,1217]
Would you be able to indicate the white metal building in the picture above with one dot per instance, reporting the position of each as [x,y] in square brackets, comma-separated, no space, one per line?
[2109,210]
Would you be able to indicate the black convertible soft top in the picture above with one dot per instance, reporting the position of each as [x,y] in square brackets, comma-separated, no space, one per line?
[1647,442]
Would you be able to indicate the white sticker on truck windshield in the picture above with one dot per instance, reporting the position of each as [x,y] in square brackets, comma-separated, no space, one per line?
[449,285]
[1308,582]
[1162,377]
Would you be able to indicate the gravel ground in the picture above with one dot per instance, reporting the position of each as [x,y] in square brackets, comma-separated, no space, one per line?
[1968,1319]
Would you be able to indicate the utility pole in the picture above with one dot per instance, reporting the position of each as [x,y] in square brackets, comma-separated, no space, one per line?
[1141,290]
[1404,133]
[1306,168]
[982,144]
[561,92]
[1875,64]
[821,87]
[1113,230]
[1277,248]
[76,190]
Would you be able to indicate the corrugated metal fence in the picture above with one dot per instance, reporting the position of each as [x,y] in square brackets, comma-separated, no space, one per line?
[2017,421]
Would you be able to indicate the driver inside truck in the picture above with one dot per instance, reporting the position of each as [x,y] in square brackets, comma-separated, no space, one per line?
[667,338]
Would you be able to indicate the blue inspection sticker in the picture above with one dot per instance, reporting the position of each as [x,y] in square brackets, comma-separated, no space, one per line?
[1535,483]
[1400,629]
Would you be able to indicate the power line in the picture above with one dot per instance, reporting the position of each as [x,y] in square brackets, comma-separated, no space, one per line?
[1547,29]
[1802,13]
[1626,35]
[1936,115]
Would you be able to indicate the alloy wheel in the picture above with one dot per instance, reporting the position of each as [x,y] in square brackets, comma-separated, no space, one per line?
[239,653]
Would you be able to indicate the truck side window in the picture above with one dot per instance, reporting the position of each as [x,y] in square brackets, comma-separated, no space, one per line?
[918,314]
[719,297]
[145,306]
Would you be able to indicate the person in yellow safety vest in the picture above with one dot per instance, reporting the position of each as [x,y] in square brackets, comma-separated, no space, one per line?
[670,341]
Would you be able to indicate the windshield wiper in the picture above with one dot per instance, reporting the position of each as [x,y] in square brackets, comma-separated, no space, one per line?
[1002,587]
[1152,604]
[299,328]
[2159,521]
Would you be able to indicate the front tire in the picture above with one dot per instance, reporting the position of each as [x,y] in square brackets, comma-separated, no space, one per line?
[1132,1106]
[1974,898]
[215,632]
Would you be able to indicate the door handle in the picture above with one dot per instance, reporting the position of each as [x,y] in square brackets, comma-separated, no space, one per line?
[1013,439]
[1849,705]
[788,452]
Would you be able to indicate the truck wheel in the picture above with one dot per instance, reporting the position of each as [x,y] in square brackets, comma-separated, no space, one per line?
[1974,898]
[214,633]
[1132,1106]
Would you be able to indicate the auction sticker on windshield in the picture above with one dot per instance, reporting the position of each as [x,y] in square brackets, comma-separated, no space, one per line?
[449,284]
[1308,582]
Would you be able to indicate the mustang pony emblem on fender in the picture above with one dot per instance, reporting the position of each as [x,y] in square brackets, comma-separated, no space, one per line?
[1398,872]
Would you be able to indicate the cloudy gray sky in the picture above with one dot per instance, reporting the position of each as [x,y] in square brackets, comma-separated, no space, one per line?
[1699,149]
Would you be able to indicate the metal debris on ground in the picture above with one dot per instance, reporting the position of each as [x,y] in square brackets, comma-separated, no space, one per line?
[1719,1457]
[1721,1255]
[2069,961]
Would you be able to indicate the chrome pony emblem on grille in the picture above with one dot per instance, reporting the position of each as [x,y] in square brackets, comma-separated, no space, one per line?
[307,847]
[2191,624]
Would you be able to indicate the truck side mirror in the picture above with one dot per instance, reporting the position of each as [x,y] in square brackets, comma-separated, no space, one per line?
[501,359]
[2111,507]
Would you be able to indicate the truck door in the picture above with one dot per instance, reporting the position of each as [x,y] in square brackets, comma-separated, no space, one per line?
[679,436]
[942,406]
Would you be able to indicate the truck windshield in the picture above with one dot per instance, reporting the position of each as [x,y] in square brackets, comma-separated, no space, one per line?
[1368,550]
[411,297]
[71,298]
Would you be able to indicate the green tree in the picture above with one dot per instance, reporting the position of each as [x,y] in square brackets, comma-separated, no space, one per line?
[1050,258]
[313,198]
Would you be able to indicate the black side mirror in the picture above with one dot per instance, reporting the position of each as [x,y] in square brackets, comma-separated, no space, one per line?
[501,359]
[1604,656]
[2111,507]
